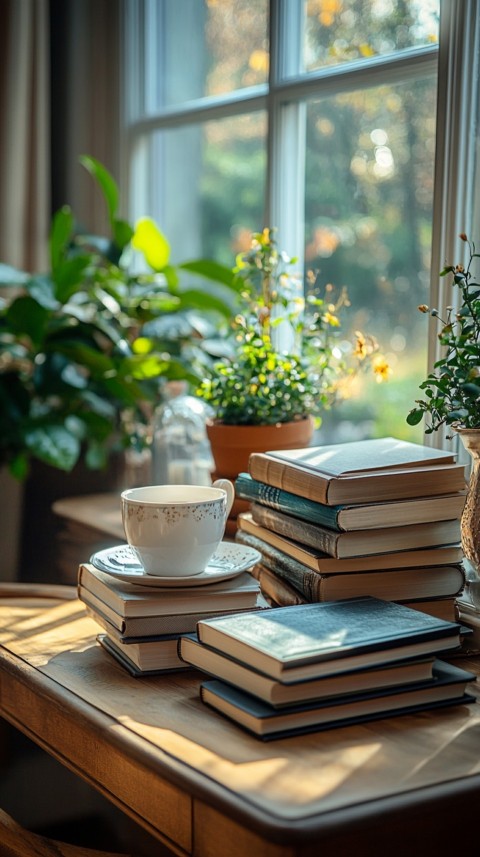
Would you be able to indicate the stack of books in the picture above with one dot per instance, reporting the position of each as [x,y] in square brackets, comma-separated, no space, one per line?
[299,669]
[468,610]
[142,625]
[377,517]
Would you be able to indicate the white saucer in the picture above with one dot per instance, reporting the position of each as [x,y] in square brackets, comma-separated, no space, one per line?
[229,560]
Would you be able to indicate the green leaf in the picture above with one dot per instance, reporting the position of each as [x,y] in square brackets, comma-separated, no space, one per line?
[19,467]
[69,276]
[106,182]
[122,233]
[414,417]
[472,389]
[42,289]
[96,456]
[60,235]
[26,317]
[195,299]
[54,445]
[214,271]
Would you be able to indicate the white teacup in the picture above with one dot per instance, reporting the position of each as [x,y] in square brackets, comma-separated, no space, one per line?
[175,529]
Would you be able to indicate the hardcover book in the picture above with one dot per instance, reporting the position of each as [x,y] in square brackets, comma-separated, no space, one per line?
[446,688]
[276,590]
[356,542]
[319,561]
[405,584]
[277,694]
[313,640]
[139,663]
[129,600]
[383,468]
[141,628]
[360,516]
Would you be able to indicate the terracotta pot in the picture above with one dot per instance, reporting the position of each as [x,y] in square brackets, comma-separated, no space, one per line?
[232,445]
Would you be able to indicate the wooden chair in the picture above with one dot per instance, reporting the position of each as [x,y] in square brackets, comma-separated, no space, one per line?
[15,840]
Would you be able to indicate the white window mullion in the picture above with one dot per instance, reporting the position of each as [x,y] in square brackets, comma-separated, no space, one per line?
[286,137]
[455,153]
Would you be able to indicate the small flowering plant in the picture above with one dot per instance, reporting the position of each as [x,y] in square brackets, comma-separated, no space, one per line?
[452,390]
[288,360]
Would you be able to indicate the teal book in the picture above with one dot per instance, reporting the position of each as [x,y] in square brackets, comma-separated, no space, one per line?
[447,687]
[311,640]
[360,516]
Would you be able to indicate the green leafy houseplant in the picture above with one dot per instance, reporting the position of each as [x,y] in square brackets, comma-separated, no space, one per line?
[286,361]
[452,390]
[85,347]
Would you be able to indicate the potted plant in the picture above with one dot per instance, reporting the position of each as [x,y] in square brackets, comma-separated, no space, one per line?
[85,347]
[285,364]
[451,392]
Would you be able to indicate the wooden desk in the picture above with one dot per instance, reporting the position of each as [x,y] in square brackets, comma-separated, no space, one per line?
[402,786]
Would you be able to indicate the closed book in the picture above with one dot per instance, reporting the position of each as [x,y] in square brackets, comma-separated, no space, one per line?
[136,630]
[145,658]
[446,688]
[360,516]
[383,468]
[277,591]
[471,644]
[129,600]
[319,561]
[312,640]
[442,608]
[357,542]
[276,693]
[407,584]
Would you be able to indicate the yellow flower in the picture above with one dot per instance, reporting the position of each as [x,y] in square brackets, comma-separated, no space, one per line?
[381,369]
[331,319]
[360,345]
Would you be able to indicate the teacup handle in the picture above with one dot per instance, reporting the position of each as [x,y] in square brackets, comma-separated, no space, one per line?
[229,490]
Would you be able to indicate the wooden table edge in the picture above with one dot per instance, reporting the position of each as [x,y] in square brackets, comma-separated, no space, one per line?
[199,786]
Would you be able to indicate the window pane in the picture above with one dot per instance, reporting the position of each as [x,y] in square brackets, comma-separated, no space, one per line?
[369,191]
[339,31]
[205,184]
[212,48]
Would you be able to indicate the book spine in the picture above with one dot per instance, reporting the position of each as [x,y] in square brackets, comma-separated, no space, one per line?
[299,531]
[273,472]
[307,582]
[276,590]
[99,606]
[267,495]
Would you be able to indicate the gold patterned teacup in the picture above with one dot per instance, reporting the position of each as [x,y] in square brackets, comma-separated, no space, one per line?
[175,529]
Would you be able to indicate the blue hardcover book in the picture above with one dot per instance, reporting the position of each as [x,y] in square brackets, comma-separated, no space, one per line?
[359,516]
[447,687]
[311,640]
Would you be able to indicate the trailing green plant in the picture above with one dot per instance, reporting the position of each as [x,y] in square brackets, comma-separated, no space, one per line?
[85,346]
[287,360]
[452,390]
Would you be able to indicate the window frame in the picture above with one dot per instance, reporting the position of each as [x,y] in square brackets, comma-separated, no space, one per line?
[455,59]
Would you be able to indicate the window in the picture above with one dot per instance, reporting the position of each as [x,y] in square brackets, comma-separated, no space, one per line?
[317,117]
